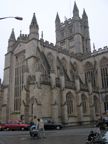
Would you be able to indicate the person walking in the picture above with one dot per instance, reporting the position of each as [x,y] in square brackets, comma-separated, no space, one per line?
[41,128]
[36,122]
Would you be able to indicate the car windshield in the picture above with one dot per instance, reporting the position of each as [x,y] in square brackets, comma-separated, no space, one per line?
[48,121]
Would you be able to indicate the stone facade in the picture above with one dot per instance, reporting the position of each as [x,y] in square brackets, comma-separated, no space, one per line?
[66,81]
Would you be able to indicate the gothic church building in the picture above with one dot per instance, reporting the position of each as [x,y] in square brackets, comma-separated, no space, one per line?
[66,81]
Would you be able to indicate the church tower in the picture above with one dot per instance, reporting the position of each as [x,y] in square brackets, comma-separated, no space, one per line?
[73,34]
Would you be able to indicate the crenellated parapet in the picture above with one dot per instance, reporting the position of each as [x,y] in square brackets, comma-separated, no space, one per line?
[100,50]
[47,44]
[60,49]
[23,37]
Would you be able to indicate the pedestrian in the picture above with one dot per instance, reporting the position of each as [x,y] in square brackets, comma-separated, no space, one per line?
[91,136]
[35,121]
[41,128]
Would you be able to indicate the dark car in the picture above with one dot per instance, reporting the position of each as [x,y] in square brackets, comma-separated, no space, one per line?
[51,125]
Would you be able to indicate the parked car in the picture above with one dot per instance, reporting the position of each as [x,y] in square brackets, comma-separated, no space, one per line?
[16,125]
[2,126]
[51,125]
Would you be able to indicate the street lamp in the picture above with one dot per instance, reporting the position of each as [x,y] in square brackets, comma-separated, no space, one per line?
[18,18]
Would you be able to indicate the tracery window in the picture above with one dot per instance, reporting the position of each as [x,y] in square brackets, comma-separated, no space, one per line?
[70,103]
[19,80]
[106,103]
[84,103]
[90,74]
[104,72]
[96,104]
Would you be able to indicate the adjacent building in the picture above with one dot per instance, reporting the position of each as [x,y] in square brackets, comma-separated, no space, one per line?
[66,81]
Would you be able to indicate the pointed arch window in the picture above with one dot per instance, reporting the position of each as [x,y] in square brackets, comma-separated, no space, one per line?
[70,103]
[19,80]
[84,103]
[106,103]
[96,104]
[90,73]
[104,72]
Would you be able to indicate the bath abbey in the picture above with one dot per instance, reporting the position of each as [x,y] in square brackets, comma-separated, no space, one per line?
[65,81]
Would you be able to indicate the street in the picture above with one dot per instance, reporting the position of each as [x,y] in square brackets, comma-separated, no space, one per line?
[64,136]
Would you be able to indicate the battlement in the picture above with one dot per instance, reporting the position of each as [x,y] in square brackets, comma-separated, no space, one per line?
[23,37]
[47,44]
[66,22]
[100,50]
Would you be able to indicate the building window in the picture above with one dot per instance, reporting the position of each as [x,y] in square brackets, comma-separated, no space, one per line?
[84,103]
[19,80]
[70,104]
[90,74]
[104,72]
[32,108]
[104,76]
[96,104]
[106,103]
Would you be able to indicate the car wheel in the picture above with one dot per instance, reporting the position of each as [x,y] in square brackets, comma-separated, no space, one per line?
[57,127]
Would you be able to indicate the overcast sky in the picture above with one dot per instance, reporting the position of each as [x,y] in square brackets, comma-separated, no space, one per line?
[46,11]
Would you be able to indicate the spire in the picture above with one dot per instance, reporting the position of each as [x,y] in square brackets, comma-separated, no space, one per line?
[12,36]
[85,18]
[34,22]
[11,41]
[57,20]
[75,10]
[34,28]
[84,14]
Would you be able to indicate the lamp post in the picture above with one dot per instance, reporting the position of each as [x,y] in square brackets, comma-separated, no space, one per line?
[18,18]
